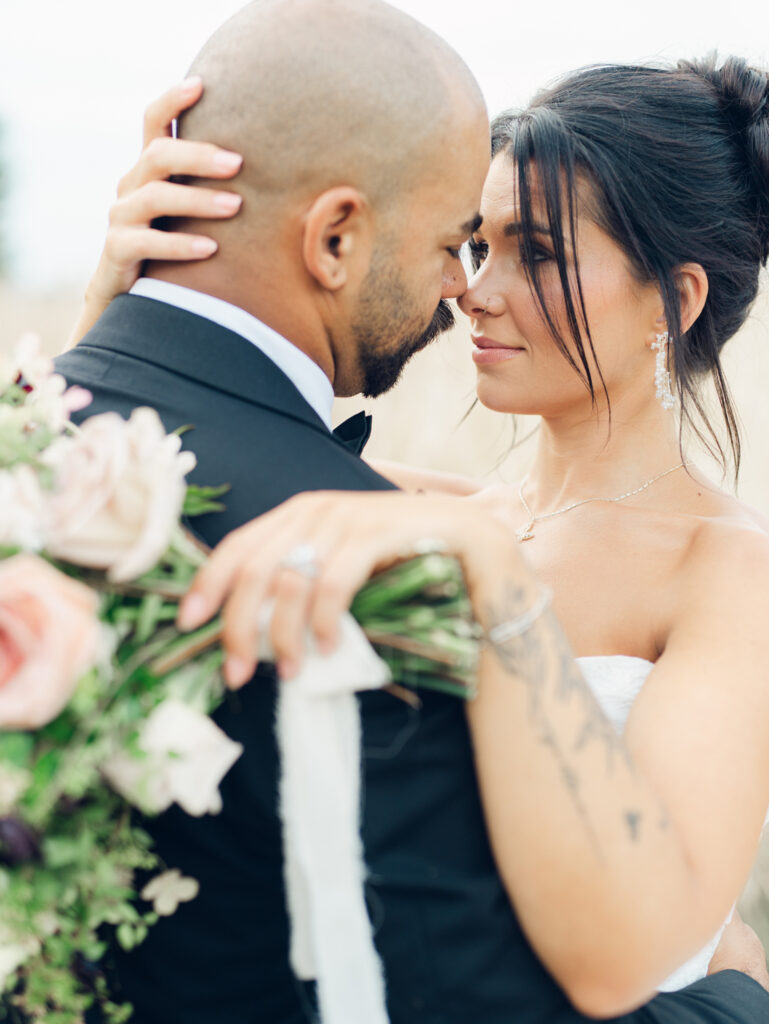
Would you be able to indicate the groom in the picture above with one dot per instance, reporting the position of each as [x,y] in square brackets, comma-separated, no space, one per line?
[366,144]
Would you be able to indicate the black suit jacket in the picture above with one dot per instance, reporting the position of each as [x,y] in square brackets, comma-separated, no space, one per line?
[451,944]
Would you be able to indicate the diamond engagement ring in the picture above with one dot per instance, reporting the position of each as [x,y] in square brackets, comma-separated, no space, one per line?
[302,559]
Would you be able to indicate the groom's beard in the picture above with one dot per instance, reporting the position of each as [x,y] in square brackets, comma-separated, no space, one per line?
[378,317]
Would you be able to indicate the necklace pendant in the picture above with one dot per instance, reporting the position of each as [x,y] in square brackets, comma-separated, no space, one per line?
[525,532]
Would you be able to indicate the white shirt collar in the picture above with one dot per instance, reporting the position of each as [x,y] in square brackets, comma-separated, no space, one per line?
[307,376]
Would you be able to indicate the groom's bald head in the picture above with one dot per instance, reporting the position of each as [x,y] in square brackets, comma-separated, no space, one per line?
[315,93]
[365,144]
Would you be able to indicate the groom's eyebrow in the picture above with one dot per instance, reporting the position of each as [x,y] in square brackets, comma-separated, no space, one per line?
[472,225]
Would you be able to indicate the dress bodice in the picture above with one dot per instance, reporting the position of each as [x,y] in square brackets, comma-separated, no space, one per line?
[616,681]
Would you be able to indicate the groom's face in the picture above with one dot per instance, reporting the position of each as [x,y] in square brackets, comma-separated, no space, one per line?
[415,268]
[390,324]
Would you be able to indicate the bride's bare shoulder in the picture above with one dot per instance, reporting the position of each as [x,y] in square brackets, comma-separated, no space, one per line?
[731,543]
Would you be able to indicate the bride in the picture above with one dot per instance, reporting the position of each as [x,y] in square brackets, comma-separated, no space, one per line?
[625,223]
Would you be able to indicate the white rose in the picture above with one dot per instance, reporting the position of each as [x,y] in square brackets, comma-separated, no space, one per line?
[119,493]
[188,755]
[23,509]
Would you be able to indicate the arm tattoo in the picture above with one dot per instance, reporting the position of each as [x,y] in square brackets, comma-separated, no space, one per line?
[633,819]
[543,662]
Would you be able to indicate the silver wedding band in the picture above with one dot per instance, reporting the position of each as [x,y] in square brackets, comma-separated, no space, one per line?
[302,559]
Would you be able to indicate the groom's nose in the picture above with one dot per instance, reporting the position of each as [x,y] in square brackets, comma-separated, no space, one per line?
[454,281]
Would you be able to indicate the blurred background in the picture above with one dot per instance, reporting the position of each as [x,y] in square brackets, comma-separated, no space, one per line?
[75,77]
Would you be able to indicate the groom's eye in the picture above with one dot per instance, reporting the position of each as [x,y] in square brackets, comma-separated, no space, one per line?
[454,253]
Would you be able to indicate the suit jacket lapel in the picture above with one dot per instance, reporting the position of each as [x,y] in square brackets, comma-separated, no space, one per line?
[200,350]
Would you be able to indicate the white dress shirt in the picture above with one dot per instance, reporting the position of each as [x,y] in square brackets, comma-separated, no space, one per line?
[306,376]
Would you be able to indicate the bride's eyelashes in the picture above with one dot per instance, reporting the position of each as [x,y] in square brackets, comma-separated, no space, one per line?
[478,252]
[539,254]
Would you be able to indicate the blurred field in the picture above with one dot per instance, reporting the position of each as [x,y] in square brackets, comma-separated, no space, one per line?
[419,423]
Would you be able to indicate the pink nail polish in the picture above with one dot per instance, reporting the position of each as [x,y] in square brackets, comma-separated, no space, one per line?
[204,246]
[227,202]
[227,162]
[237,671]
[191,84]
[193,611]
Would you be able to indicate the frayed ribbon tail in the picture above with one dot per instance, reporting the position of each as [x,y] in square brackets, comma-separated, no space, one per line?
[319,738]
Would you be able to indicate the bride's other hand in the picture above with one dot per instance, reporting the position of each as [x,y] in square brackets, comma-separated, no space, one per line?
[344,538]
[145,193]
[740,949]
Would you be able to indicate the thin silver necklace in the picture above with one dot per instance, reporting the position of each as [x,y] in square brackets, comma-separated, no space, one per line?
[526,532]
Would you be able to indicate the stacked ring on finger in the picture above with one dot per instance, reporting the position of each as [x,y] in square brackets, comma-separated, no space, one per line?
[303,558]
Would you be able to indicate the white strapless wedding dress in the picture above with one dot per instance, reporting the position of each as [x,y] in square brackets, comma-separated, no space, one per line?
[616,681]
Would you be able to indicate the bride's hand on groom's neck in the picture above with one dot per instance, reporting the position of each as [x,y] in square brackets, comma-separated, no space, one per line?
[148,192]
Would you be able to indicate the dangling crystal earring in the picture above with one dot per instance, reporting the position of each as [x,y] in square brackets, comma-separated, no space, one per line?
[662,380]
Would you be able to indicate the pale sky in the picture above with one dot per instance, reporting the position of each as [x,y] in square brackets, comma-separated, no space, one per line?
[75,76]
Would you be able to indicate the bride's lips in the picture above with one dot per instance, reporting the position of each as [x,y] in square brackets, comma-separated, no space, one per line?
[489,351]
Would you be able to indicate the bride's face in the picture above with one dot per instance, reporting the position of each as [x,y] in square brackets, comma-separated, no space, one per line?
[520,367]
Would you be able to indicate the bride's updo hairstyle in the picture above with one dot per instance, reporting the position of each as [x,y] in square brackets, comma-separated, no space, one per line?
[676,164]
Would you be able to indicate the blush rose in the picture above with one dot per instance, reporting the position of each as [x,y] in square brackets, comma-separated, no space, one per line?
[119,493]
[50,636]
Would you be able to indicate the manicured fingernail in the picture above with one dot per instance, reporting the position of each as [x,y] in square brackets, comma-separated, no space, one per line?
[227,161]
[237,671]
[287,669]
[193,610]
[191,85]
[227,202]
[204,246]
[326,644]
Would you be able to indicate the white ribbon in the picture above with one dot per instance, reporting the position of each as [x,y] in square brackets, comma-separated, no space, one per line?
[319,738]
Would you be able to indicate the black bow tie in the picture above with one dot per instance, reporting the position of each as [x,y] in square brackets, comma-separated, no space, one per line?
[354,432]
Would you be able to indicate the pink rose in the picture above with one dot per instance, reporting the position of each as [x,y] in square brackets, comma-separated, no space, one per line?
[119,493]
[49,637]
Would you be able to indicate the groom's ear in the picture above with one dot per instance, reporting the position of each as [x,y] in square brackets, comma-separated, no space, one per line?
[337,237]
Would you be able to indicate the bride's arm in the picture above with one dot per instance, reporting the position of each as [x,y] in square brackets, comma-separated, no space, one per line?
[410,478]
[144,194]
[621,855]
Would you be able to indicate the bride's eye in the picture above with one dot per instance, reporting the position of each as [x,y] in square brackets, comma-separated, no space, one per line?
[478,252]
[538,254]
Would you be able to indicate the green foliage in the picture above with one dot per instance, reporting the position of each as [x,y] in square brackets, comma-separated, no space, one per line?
[70,844]
[59,903]
[419,619]
[200,500]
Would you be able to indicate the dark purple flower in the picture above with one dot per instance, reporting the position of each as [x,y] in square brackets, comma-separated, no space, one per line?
[18,843]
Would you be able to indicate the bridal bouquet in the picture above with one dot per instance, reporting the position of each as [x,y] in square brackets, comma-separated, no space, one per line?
[104,706]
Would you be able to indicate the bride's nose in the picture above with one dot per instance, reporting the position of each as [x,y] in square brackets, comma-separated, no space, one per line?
[478,300]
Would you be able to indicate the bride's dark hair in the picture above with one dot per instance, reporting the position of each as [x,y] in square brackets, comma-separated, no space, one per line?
[677,166]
